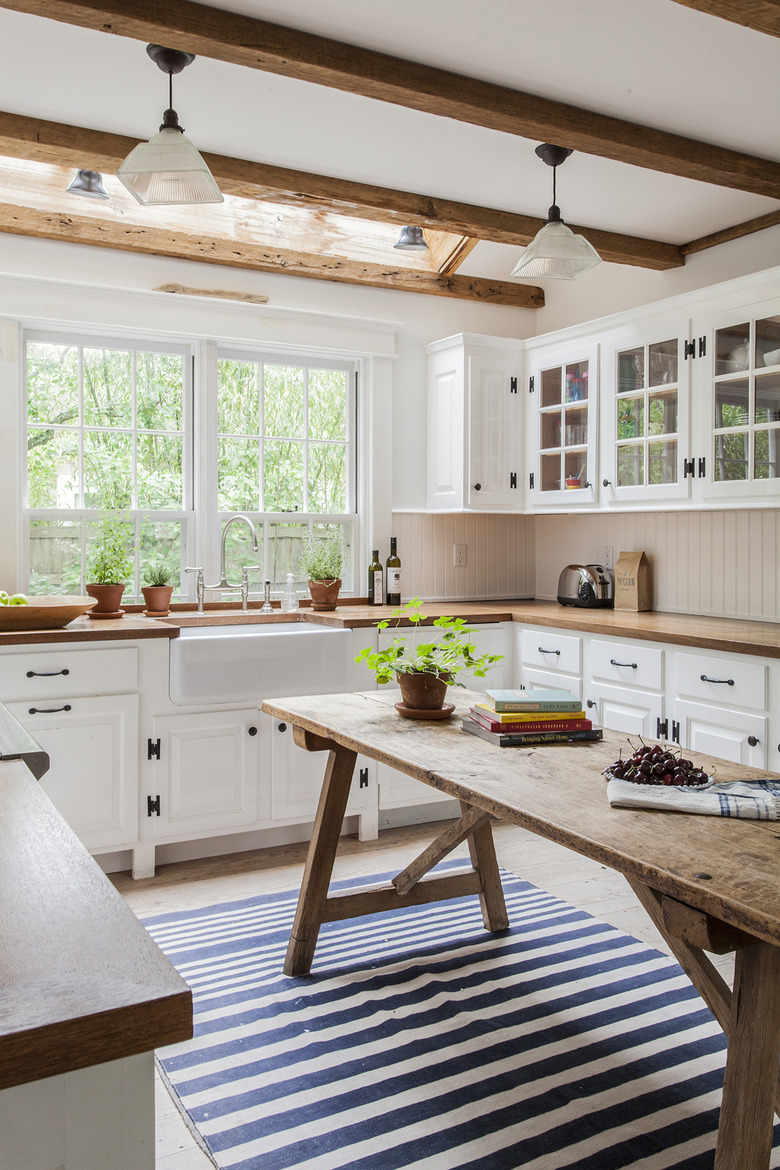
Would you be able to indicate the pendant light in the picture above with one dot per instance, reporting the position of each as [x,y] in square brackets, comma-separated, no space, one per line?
[168,169]
[411,239]
[556,252]
[89,184]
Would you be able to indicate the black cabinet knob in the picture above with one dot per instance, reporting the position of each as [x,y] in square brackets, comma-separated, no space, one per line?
[752,740]
[252,730]
[281,727]
[477,487]
[590,703]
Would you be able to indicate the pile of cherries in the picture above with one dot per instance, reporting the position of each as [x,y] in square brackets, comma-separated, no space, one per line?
[656,765]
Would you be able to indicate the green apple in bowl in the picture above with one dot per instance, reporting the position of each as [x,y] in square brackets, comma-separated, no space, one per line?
[18,599]
[3,597]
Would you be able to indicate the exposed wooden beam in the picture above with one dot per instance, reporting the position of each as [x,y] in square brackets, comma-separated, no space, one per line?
[258,44]
[449,252]
[60,144]
[761,15]
[732,233]
[74,229]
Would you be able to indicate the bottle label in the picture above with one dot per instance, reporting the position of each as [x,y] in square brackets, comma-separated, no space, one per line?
[378,598]
[393,580]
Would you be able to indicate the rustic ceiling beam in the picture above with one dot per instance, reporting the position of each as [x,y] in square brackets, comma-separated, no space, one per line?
[59,144]
[74,229]
[726,235]
[258,44]
[761,15]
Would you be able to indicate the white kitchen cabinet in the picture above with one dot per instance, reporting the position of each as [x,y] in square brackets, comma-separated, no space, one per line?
[210,773]
[93,778]
[645,415]
[474,424]
[628,709]
[562,428]
[297,777]
[722,732]
[547,658]
[722,705]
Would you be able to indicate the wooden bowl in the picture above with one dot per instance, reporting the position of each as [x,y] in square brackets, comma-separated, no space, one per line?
[43,613]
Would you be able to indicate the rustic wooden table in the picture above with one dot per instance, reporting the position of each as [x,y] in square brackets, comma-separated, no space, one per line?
[708,883]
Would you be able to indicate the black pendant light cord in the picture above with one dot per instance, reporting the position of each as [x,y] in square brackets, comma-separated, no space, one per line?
[170,107]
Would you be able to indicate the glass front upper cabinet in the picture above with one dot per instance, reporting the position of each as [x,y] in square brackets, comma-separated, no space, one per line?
[567,393]
[746,399]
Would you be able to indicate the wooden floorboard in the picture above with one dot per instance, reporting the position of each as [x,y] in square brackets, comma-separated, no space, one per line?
[186,885]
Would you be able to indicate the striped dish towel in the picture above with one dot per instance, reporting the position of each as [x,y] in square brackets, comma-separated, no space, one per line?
[754,800]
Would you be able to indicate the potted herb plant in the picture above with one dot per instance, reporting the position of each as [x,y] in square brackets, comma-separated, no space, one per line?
[157,590]
[425,671]
[320,561]
[109,566]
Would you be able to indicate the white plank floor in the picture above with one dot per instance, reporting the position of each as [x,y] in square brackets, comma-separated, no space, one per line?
[577,880]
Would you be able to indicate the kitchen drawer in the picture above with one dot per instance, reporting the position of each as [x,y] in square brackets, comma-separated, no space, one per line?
[60,673]
[630,663]
[547,680]
[730,680]
[551,651]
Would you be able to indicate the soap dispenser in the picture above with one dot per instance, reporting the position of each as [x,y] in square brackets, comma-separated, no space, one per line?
[290,599]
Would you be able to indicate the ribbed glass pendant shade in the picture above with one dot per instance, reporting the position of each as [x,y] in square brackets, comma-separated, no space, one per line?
[89,184]
[167,170]
[557,254]
[411,239]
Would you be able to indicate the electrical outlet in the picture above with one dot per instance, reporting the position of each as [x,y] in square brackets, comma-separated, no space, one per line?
[458,555]
[608,556]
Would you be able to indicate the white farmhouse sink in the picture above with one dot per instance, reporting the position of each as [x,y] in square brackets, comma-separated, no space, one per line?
[247,663]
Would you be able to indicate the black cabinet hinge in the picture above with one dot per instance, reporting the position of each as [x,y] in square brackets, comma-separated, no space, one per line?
[689,350]
[675,731]
[702,467]
[702,346]
[152,749]
[513,385]
[661,729]
[531,480]
[363,778]
[512,479]
[153,806]
[689,467]
[530,385]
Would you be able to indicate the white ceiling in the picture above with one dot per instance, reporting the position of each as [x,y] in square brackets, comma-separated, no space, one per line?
[648,61]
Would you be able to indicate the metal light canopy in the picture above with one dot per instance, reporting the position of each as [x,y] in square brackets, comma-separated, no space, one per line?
[89,184]
[556,252]
[168,169]
[411,239]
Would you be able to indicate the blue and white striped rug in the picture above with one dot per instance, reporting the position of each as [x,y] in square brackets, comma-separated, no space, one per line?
[421,1040]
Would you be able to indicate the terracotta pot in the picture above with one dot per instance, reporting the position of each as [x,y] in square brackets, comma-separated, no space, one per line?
[109,597]
[157,598]
[423,692]
[324,594]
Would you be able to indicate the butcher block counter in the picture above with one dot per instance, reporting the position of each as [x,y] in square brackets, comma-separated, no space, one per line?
[680,629]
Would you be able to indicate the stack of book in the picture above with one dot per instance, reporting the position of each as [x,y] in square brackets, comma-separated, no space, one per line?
[516,718]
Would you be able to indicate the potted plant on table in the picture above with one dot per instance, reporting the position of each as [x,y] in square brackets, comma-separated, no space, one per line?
[157,590]
[425,671]
[109,566]
[320,561]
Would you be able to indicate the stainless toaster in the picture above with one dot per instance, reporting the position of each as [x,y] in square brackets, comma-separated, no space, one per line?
[586,585]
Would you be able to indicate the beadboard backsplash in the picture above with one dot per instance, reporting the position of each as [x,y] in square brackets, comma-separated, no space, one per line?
[720,563]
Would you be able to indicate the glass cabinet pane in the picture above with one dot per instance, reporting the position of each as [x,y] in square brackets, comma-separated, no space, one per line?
[577,382]
[551,387]
[576,426]
[731,457]
[732,403]
[631,418]
[550,425]
[662,462]
[767,398]
[631,370]
[550,473]
[767,454]
[662,363]
[631,465]
[732,349]
[662,413]
[767,342]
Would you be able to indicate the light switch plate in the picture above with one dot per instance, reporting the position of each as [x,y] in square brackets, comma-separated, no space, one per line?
[458,555]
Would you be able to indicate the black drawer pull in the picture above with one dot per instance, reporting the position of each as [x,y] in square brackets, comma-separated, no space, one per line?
[46,673]
[753,740]
[48,710]
[614,662]
[729,682]
[543,651]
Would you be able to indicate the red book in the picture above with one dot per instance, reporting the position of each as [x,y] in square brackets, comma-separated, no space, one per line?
[533,728]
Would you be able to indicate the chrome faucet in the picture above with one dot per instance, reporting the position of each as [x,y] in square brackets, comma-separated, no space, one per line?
[223,582]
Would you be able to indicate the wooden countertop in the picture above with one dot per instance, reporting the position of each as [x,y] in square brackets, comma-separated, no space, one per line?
[81,981]
[680,629]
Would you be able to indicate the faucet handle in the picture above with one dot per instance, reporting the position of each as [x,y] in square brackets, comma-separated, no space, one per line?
[199,585]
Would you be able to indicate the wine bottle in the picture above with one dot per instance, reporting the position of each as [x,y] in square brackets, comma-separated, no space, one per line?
[376,595]
[393,580]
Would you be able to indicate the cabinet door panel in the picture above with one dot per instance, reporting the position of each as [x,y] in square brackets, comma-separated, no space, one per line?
[624,709]
[494,468]
[93,778]
[716,731]
[530,677]
[207,776]
[562,439]
[297,777]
